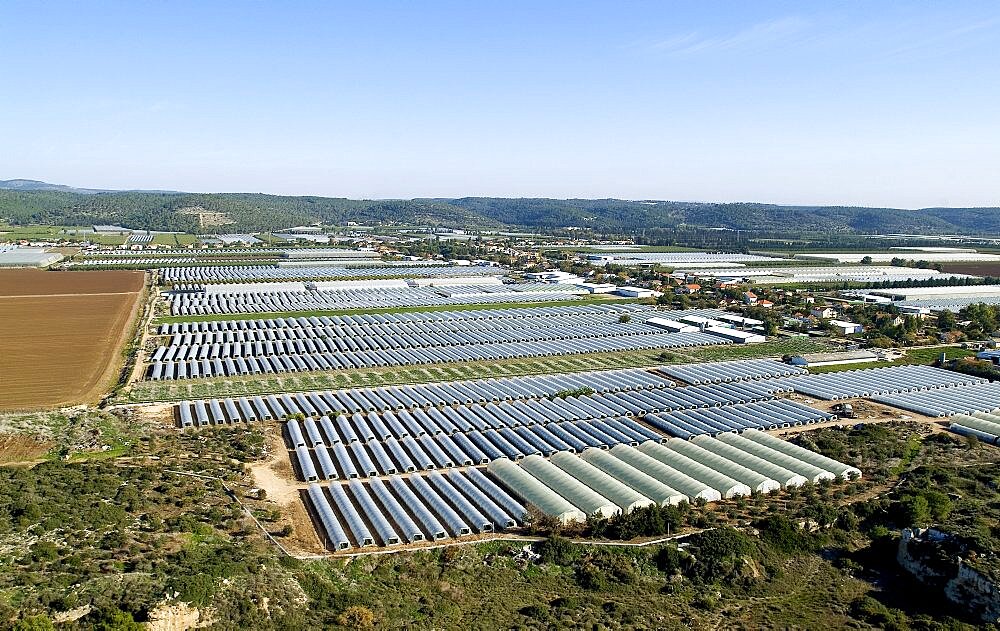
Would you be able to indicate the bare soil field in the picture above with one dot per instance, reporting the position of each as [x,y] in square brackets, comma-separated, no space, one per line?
[976,269]
[33,282]
[62,335]
[19,448]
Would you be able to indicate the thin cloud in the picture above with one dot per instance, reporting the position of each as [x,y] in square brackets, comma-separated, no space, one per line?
[955,38]
[760,35]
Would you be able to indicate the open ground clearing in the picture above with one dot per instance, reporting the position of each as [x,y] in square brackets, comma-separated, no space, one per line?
[63,335]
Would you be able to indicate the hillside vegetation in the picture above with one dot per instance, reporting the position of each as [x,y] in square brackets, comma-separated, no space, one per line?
[246,211]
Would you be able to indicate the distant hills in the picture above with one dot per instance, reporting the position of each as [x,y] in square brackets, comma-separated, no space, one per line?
[31,201]
[35,185]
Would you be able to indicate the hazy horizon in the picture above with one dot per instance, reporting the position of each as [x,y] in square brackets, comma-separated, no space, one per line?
[776,102]
[634,199]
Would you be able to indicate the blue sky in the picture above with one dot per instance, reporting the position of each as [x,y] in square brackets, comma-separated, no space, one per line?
[885,103]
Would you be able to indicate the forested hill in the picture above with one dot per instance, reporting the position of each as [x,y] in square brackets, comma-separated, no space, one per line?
[239,211]
[636,215]
[245,211]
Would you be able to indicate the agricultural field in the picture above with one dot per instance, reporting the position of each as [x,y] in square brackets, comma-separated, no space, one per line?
[66,331]
[973,268]
[913,356]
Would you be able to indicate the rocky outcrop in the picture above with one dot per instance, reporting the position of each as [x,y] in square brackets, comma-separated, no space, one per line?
[930,555]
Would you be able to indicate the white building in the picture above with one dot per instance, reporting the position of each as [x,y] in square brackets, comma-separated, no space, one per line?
[833,359]
[739,337]
[822,312]
[843,327]
[597,288]
[552,276]
[637,292]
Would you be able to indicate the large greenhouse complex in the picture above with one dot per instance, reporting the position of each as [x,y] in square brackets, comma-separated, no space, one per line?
[378,465]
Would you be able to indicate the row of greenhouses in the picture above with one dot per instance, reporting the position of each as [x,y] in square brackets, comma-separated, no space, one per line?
[571,487]
[978,396]
[438,506]
[483,403]
[724,372]
[432,507]
[876,382]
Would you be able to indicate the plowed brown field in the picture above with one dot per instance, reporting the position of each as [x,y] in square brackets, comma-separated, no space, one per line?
[976,269]
[62,333]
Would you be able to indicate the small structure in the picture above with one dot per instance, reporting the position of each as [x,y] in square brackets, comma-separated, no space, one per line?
[823,312]
[243,239]
[28,257]
[311,238]
[671,325]
[597,288]
[637,292]
[872,298]
[990,356]
[833,359]
[920,312]
[843,327]
[552,276]
[739,337]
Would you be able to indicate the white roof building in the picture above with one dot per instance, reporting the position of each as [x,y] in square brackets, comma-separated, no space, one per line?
[844,327]
[637,292]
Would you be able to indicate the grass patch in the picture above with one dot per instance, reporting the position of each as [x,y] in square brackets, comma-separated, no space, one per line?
[913,357]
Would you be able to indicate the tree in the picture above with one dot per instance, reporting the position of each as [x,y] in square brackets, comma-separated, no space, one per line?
[913,510]
[116,620]
[34,623]
[946,320]
[867,260]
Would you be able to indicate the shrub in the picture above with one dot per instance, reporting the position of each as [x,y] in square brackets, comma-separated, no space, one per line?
[590,576]
[195,589]
[536,612]
[557,550]
[356,617]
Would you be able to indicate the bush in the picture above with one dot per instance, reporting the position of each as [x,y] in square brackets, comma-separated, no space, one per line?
[536,612]
[782,534]
[874,612]
[668,559]
[195,589]
[565,602]
[44,551]
[720,554]
[356,617]
[590,576]
[557,550]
